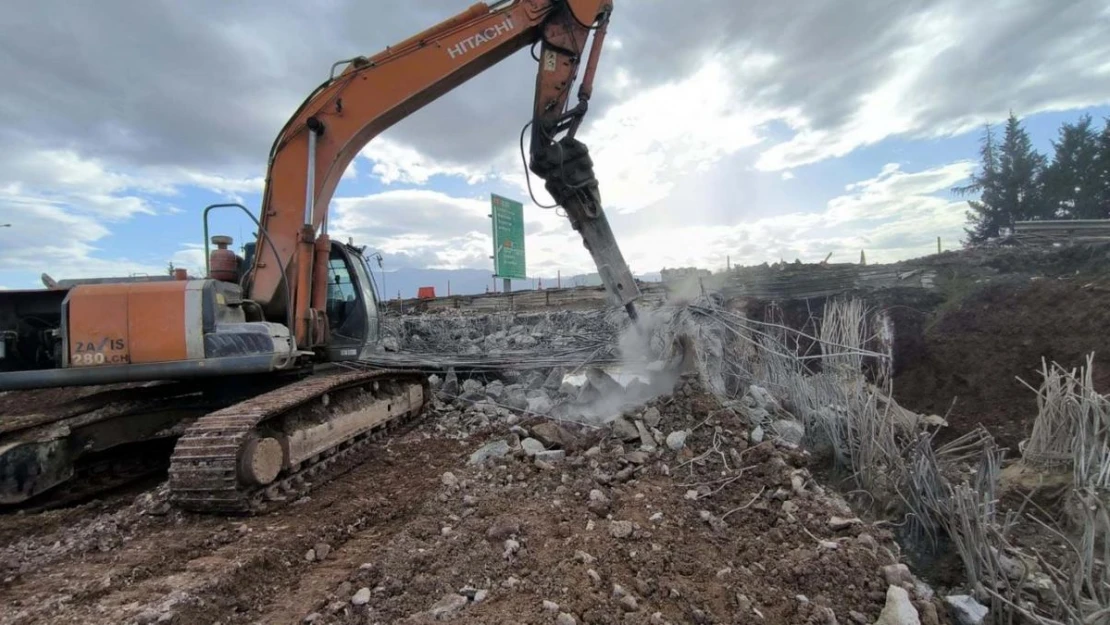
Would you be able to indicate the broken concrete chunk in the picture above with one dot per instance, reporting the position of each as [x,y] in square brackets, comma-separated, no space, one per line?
[652,417]
[553,435]
[554,379]
[837,523]
[966,610]
[531,446]
[447,606]
[551,455]
[496,389]
[540,405]
[624,430]
[362,597]
[789,431]
[647,441]
[492,450]
[677,440]
[620,529]
[899,609]
[897,574]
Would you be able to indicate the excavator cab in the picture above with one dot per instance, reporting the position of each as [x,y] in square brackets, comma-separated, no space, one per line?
[354,320]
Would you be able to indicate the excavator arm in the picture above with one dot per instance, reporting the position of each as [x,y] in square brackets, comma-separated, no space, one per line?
[369,95]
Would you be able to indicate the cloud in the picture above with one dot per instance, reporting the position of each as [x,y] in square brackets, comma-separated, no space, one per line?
[149,99]
[892,216]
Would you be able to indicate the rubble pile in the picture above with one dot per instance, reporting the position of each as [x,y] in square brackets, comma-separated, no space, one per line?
[498,333]
[672,512]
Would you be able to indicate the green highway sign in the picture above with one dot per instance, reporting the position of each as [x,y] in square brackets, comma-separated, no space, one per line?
[508,238]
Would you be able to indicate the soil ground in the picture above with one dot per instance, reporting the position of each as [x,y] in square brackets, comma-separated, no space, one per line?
[972,351]
[718,532]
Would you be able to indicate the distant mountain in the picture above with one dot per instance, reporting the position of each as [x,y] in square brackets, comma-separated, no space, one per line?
[472,281]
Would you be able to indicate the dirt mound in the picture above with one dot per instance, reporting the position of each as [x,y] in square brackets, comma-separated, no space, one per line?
[977,345]
[629,530]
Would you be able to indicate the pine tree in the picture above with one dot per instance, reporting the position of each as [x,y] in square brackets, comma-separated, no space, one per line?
[1020,175]
[1073,180]
[985,215]
[1102,167]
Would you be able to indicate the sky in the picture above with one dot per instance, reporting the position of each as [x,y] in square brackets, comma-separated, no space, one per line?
[721,131]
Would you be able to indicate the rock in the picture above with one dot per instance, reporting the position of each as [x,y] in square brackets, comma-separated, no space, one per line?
[620,529]
[652,417]
[551,455]
[531,446]
[449,480]
[898,609]
[789,507]
[553,435]
[495,449]
[656,618]
[657,517]
[756,436]
[965,610]
[565,619]
[322,550]
[584,557]
[391,344]
[837,523]
[315,617]
[362,597]
[789,431]
[604,383]
[897,574]
[587,394]
[503,528]
[759,397]
[677,440]
[517,400]
[637,457]
[928,613]
[550,606]
[511,547]
[647,441]
[310,555]
[831,545]
[496,389]
[691,494]
[624,430]
[435,382]
[480,595]
[629,603]
[540,405]
[935,421]
[594,576]
[470,385]
[448,605]
[554,379]
[599,504]
[857,617]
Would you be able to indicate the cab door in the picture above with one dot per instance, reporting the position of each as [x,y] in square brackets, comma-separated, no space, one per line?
[351,306]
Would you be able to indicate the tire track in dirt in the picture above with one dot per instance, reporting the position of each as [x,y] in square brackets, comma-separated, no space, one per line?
[203,569]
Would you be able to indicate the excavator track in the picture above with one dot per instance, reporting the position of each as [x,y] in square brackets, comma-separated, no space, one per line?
[226,461]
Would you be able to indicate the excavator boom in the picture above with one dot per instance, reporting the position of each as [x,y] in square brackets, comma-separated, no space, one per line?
[369,95]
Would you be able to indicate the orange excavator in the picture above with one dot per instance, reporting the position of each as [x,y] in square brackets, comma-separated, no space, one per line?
[251,378]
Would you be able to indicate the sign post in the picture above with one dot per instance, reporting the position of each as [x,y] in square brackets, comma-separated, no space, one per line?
[508,240]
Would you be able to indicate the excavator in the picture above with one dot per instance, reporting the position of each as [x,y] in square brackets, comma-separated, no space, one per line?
[250,378]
